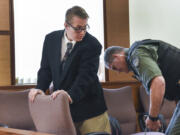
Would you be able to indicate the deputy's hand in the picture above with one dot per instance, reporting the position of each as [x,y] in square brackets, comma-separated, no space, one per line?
[57,92]
[153,125]
[33,93]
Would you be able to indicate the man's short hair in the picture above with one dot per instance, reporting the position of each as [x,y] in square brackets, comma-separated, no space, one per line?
[75,11]
[108,54]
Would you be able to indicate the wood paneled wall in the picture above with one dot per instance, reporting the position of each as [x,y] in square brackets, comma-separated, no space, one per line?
[5,38]
[117,32]
[5,76]
[4,15]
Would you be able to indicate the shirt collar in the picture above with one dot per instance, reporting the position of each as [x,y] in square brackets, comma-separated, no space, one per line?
[67,40]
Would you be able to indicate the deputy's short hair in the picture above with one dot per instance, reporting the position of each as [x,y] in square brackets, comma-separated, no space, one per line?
[108,54]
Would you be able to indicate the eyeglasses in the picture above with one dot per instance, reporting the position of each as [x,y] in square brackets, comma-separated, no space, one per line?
[79,29]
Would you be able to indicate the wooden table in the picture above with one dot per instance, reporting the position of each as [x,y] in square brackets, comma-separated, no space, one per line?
[12,131]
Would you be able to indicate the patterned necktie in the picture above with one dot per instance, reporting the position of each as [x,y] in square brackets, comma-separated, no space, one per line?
[69,48]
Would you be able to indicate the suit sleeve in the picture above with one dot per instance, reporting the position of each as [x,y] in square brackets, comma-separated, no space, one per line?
[87,73]
[44,73]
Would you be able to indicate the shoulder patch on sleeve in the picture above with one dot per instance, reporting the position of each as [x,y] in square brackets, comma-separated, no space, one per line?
[136,62]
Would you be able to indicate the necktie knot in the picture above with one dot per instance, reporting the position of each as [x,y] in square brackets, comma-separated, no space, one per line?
[69,46]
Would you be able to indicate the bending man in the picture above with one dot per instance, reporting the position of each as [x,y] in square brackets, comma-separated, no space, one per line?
[157,65]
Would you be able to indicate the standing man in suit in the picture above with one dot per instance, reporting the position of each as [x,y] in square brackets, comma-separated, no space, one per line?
[70,59]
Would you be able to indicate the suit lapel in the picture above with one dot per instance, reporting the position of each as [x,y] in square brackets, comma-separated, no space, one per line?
[58,48]
[56,53]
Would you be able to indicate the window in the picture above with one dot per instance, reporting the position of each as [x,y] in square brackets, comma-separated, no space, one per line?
[35,18]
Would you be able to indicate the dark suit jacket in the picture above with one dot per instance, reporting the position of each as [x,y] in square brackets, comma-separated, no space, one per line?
[79,77]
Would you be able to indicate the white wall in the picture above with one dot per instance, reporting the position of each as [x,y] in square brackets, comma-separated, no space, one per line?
[155,19]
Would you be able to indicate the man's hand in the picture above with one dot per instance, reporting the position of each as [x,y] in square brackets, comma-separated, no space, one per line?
[55,93]
[33,93]
[153,125]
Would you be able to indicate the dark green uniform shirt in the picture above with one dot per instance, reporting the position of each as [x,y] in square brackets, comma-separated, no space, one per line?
[144,62]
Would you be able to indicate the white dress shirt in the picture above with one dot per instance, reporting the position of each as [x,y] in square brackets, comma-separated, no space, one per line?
[65,40]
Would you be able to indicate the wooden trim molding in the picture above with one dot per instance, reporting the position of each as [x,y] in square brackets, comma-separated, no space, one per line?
[4,32]
[17,87]
[13,131]
[12,42]
[104,85]
[105,37]
[119,84]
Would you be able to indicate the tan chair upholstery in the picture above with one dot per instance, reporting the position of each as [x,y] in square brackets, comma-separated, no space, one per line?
[14,110]
[167,108]
[52,116]
[120,106]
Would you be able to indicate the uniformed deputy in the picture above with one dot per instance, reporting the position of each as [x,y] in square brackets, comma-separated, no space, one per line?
[157,65]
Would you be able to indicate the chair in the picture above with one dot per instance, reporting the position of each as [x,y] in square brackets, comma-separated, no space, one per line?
[120,105]
[14,110]
[167,108]
[52,116]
